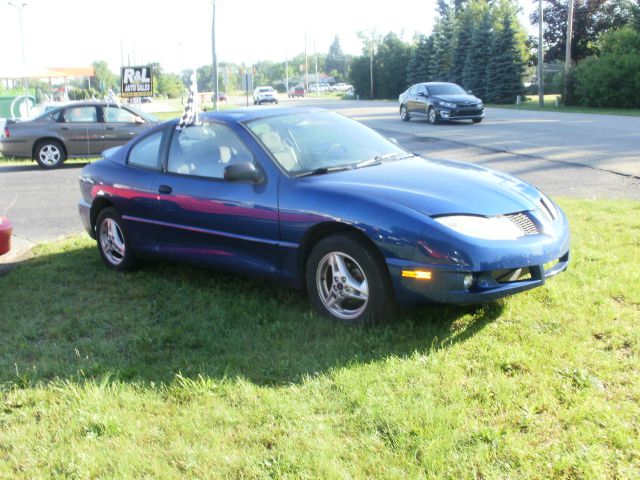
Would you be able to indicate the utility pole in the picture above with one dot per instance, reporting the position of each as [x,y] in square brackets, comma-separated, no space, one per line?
[567,56]
[315,52]
[306,64]
[19,6]
[214,58]
[371,64]
[540,58]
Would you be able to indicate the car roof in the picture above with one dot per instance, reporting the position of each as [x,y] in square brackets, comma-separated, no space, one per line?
[254,113]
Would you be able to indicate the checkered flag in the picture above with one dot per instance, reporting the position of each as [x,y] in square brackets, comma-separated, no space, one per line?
[113,98]
[190,114]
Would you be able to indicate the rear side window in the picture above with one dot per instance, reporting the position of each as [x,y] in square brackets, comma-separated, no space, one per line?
[81,115]
[146,153]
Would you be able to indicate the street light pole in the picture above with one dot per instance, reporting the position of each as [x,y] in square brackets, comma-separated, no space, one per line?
[19,6]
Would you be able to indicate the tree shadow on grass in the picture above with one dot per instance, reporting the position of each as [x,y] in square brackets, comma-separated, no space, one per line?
[167,319]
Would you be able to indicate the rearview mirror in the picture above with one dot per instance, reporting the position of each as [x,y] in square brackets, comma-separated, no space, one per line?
[242,171]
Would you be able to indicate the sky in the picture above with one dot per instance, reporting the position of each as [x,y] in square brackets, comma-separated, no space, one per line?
[74,33]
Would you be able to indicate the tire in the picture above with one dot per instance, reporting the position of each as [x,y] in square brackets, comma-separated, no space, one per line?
[50,154]
[404,115]
[432,116]
[476,120]
[112,240]
[360,293]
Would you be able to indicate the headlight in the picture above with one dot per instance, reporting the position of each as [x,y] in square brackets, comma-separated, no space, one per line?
[487,228]
[447,104]
[480,105]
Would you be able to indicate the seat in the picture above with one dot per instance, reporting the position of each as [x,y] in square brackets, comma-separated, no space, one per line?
[283,153]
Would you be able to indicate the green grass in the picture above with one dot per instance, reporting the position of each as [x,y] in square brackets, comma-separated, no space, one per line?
[550,106]
[15,162]
[180,372]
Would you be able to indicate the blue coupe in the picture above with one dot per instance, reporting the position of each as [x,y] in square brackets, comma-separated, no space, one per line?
[312,199]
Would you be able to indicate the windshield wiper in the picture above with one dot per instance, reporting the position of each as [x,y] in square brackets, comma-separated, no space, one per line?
[323,170]
[379,158]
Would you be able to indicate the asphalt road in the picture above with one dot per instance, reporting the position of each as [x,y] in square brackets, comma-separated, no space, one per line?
[563,154]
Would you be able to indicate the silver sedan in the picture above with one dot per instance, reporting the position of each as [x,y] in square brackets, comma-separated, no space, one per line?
[79,129]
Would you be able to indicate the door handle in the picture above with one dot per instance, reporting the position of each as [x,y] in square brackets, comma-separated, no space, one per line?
[110,128]
[165,189]
[64,128]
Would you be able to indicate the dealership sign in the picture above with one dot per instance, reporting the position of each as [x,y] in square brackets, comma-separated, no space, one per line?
[136,82]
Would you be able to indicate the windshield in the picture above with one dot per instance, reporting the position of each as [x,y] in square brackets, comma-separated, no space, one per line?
[310,141]
[446,89]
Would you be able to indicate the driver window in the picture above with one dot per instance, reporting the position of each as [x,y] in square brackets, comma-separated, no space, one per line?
[205,150]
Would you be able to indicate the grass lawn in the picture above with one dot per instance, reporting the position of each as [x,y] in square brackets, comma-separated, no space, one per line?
[550,106]
[179,372]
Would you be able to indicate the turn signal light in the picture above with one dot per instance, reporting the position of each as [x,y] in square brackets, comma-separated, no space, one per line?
[6,132]
[417,274]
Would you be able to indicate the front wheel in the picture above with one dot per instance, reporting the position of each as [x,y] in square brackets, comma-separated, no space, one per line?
[347,282]
[476,120]
[50,154]
[112,240]
[432,115]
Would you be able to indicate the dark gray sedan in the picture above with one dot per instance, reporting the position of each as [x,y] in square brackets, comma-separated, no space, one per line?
[79,129]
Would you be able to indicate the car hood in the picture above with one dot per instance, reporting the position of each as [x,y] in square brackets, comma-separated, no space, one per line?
[432,187]
[457,98]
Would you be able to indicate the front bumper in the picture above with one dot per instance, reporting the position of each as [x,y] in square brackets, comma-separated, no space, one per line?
[447,285]
[460,113]
[267,99]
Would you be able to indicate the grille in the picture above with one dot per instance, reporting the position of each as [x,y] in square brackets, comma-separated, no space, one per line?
[524,223]
[466,112]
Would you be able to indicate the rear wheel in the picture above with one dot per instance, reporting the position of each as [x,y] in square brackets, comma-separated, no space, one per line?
[404,115]
[112,240]
[50,153]
[347,282]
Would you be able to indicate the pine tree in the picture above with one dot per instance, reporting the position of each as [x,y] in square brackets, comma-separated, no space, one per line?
[419,64]
[504,74]
[464,28]
[474,74]
[443,45]
[336,59]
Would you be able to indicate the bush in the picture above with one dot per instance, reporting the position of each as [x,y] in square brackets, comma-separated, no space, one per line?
[611,79]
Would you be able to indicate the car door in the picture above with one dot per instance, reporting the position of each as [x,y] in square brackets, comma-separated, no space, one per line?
[412,103]
[420,101]
[81,131]
[230,224]
[121,125]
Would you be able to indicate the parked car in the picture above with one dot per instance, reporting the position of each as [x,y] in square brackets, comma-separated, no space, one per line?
[297,91]
[340,87]
[77,129]
[438,101]
[265,95]
[313,199]
[5,235]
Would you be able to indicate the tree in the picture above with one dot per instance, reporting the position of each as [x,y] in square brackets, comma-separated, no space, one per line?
[419,69]
[336,60]
[443,44]
[504,72]
[611,79]
[474,75]
[390,67]
[463,30]
[103,79]
[590,19]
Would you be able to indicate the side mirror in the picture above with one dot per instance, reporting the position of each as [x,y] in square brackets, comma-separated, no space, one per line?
[139,119]
[242,171]
[470,92]
[422,94]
